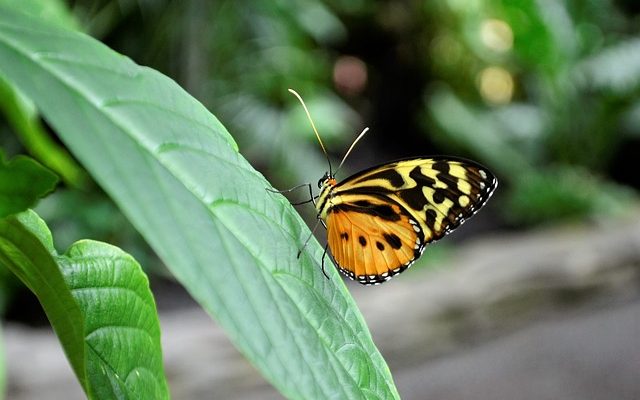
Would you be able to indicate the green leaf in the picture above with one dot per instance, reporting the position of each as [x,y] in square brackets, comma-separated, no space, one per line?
[25,249]
[98,301]
[22,182]
[122,332]
[175,172]
[54,11]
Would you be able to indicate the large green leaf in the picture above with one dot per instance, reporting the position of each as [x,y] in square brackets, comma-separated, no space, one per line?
[176,173]
[54,11]
[22,182]
[98,301]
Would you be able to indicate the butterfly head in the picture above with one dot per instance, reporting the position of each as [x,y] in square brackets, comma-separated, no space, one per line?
[326,180]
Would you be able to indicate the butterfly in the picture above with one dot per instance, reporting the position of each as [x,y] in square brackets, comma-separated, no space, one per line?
[380,220]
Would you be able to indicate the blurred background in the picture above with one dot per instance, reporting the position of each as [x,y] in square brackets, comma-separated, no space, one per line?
[537,297]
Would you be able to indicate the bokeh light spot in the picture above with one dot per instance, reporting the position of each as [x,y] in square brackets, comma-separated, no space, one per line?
[496,85]
[496,35]
[349,75]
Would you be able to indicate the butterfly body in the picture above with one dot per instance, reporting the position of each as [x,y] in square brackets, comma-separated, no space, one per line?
[380,220]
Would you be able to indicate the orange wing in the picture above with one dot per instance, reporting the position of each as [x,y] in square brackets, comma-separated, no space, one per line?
[371,247]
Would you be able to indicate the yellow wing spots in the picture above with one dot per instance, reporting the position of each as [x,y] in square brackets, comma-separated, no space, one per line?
[429,172]
[464,186]
[440,184]
[438,198]
[457,170]
[441,206]
[463,200]
[428,193]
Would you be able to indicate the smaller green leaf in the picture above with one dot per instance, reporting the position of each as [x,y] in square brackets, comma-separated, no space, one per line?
[122,332]
[98,301]
[23,252]
[22,182]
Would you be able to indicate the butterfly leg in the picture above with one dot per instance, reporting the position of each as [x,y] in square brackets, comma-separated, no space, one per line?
[312,198]
[308,238]
[324,255]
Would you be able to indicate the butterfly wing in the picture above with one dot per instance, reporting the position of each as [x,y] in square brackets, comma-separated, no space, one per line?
[420,200]
[373,242]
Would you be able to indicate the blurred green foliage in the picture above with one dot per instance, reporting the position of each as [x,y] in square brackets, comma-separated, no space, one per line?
[542,92]
[545,93]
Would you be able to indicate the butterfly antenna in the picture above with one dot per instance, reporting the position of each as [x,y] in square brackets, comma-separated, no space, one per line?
[365,130]
[314,128]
